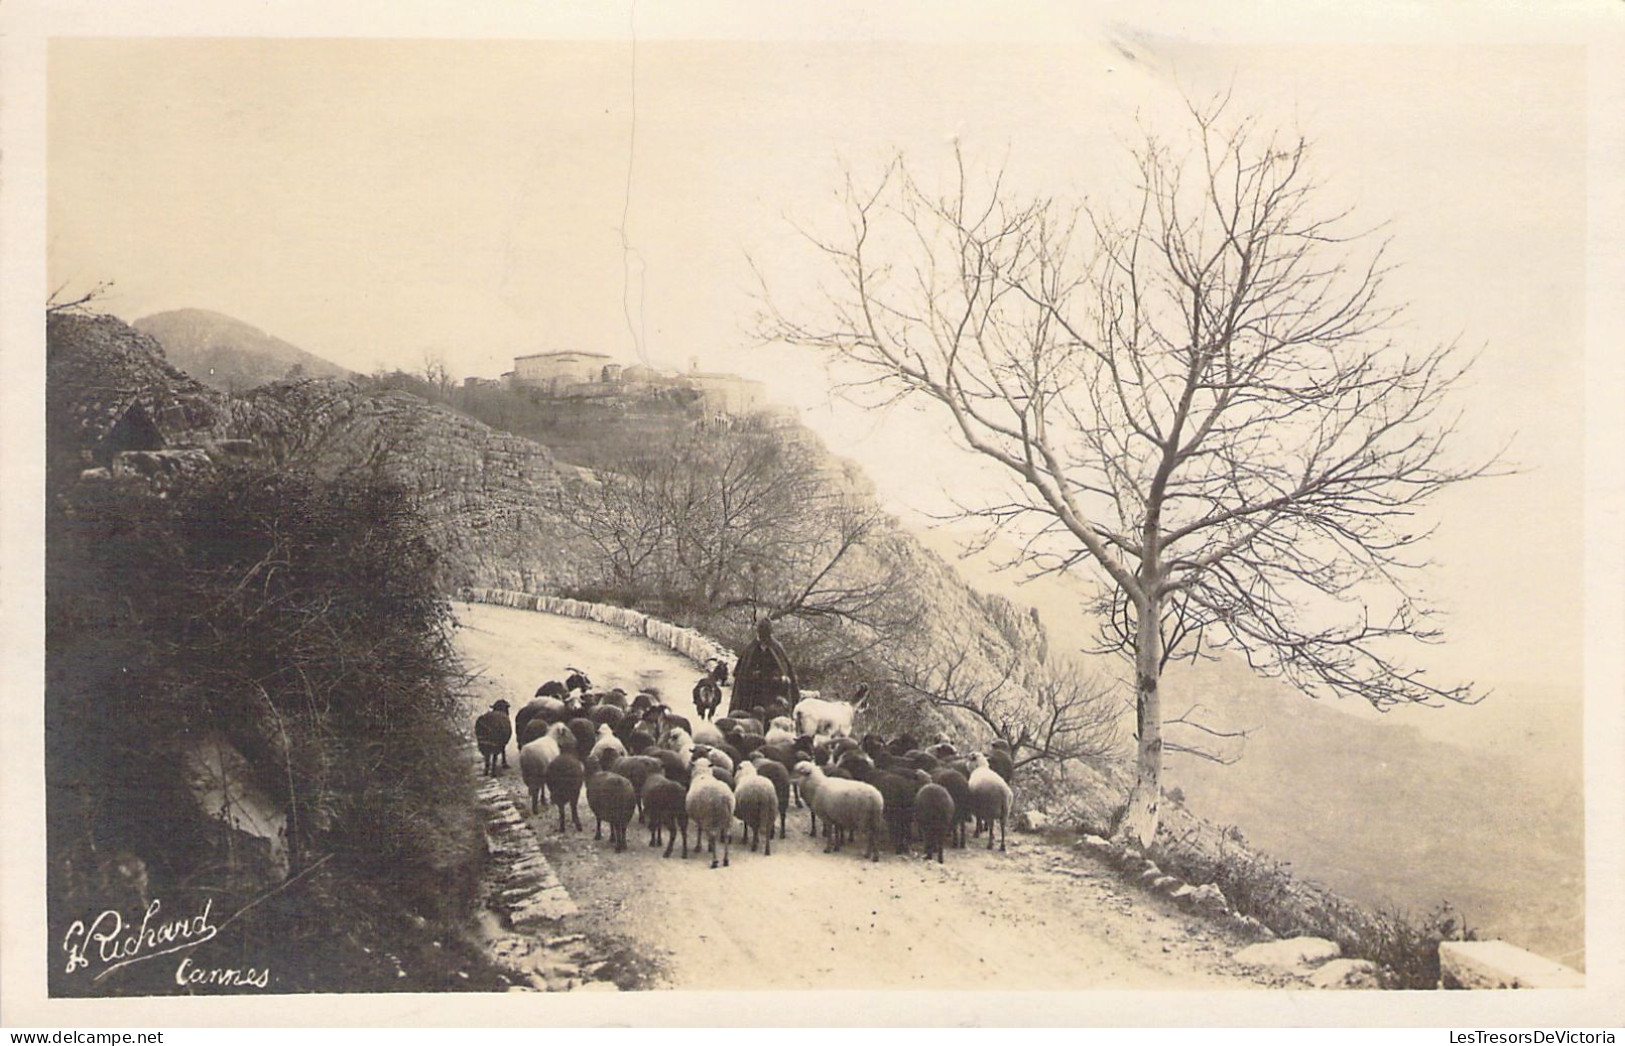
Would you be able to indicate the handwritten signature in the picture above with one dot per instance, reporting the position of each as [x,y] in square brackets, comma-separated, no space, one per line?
[117,943]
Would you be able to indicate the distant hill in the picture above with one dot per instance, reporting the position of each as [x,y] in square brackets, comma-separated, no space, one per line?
[228,354]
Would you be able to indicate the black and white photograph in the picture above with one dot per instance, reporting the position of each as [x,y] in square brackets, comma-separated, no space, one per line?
[631,507]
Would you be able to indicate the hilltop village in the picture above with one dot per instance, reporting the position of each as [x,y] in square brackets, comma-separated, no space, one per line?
[597,376]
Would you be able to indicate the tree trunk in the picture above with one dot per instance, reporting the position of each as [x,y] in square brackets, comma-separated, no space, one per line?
[1139,822]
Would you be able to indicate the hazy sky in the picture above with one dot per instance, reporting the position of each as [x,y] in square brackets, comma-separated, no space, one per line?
[377,201]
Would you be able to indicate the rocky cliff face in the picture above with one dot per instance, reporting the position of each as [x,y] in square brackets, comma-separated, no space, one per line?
[484,492]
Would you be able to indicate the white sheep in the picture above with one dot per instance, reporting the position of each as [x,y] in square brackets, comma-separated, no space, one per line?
[708,734]
[847,807]
[990,797]
[756,802]
[607,742]
[824,720]
[783,722]
[710,807]
[679,741]
[534,759]
[776,736]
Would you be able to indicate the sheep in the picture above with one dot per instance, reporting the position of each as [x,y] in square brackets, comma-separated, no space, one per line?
[776,736]
[783,722]
[902,744]
[725,776]
[553,688]
[615,698]
[641,738]
[641,704]
[527,713]
[606,715]
[934,813]
[611,798]
[607,744]
[671,764]
[669,722]
[999,761]
[990,798]
[959,788]
[637,769]
[665,804]
[577,681]
[807,785]
[492,732]
[745,744]
[708,734]
[774,772]
[827,719]
[847,807]
[564,777]
[710,806]
[534,759]
[564,737]
[922,760]
[756,804]
[857,764]
[586,732]
[718,755]
[898,793]
[680,742]
[707,696]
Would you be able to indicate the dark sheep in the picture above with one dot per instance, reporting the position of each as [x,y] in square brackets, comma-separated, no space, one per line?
[665,803]
[577,680]
[671,764]
[641,704]
[564,779]
[780,777]
[959,788]
[586,732]
[943,750]
[533,728]
[611,798]
[606,715]
[615,698]
[725,776]
[745,744]
[857,764]
[553,688]
[492,732]
[902,744]
[923,760]
[637,769]
[707,697]
[934,813]
[898,792]
[669,722]
[526,714]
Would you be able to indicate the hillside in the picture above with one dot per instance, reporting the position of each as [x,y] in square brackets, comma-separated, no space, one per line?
[228,354]
[1382,809]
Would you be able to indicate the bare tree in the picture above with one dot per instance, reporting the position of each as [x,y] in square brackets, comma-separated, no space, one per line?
[1199,396]
[1048,712]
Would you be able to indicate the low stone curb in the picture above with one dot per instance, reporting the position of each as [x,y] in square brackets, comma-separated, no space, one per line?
[529,890]
[1206,899]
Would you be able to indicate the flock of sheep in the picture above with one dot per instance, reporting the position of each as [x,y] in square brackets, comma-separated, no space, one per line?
[636,758]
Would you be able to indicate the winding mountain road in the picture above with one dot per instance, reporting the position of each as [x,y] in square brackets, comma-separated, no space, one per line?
[1042,916]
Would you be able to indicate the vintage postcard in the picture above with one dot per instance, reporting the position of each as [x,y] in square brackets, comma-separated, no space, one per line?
[1038,515]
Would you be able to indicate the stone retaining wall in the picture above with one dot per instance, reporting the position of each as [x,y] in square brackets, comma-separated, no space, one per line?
[691,644]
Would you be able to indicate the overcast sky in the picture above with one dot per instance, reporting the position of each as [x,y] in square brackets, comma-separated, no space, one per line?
[379,201]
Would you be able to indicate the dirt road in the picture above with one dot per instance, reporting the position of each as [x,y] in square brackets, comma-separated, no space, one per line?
[1041,916]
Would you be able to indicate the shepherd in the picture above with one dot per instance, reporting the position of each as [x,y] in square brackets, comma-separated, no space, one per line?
[764,673]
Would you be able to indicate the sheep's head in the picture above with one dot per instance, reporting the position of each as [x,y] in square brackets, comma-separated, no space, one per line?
[978,761]
[700,768]
[605,730]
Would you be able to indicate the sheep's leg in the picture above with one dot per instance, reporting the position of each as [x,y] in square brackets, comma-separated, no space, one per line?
[533,804]
[575,816]
[671,841]
[598,830]
[767,847]
[685,839]
[726,833]
[795,790]
[561,817]
[1002,827]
